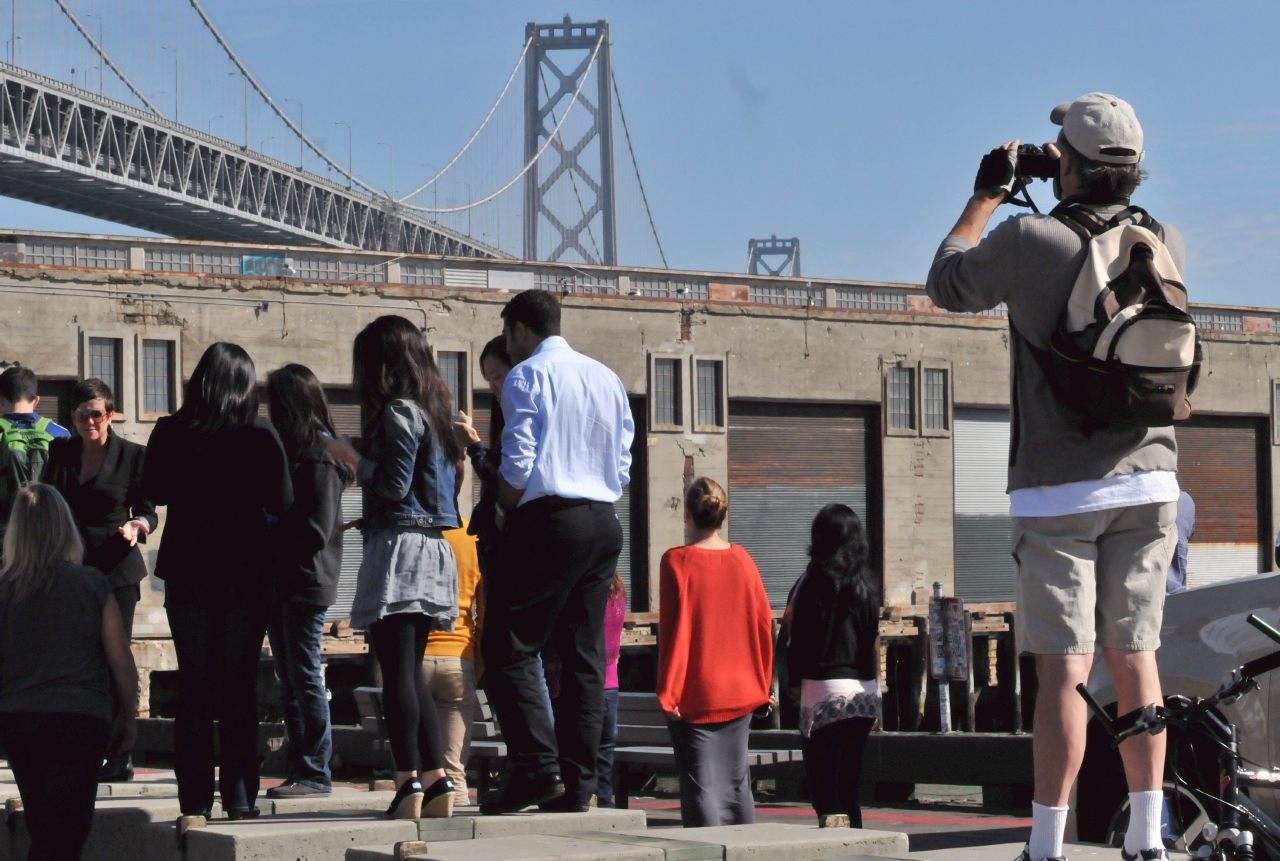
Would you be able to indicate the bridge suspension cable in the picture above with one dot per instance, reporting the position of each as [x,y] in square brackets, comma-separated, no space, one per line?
[266,98]
[555,133]
[627,134]
[103,54]
[484,123]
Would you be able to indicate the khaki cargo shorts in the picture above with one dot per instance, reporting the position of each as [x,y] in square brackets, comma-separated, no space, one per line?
[1093,578]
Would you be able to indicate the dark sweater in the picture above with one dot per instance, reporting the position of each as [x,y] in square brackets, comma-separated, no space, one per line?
[831,637]
[308,539]
[219,487]
[51,655]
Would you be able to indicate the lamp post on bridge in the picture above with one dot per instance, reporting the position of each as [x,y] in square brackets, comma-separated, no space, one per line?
[435,193]
[264,143]
[393,166]
[175,77]
[468,185]
[301,122]
[12,44]
[246,107]
[212,121]
[102,48]
[350,172]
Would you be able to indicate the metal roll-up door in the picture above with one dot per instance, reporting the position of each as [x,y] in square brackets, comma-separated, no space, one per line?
[787,461]
[1218,466]
[345,412]
[985,570]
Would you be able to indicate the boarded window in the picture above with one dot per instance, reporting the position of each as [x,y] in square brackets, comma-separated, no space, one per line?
[902,398]
[157,376]
[105,361]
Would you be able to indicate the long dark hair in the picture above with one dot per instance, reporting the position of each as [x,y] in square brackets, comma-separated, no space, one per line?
[222,393]
[496,349]
[300,412]
[392,360]
[839,550]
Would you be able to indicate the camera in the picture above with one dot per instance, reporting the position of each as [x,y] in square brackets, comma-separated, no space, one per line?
[1035,163]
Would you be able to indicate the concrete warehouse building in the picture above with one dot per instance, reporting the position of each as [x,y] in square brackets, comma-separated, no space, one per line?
[790,392]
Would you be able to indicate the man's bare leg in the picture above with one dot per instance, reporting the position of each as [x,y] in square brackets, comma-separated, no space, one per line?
[1057,744]
[1061,718]
[1137,681]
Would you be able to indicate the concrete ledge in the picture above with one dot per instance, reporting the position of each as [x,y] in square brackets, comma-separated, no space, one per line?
[554,823]
[764,842]
[315,838]
[537,847]
[771,841]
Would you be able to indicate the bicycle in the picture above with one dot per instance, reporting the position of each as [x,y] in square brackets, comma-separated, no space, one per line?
[1240,826]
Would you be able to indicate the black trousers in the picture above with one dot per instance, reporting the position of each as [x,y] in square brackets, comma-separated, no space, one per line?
[224,644]
[127,598]
[551,584]
[55,760]
[833,763]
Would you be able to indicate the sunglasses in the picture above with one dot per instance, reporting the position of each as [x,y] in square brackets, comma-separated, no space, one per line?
[85,415]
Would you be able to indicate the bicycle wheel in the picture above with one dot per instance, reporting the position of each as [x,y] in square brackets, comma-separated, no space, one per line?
[1181,821]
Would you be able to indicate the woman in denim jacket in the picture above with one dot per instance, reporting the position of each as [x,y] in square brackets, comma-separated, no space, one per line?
[408,580]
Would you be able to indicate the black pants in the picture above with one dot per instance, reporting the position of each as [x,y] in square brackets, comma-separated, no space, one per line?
[833,762]
[555,564]
[127,598]
[413,725]
[55,759]
[217,643]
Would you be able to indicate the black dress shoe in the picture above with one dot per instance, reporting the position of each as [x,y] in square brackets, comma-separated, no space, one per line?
[247,813]
[565,804]
[522,792]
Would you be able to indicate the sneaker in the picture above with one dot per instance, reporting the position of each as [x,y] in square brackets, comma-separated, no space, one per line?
[1157,854]
[297,789]
[1026,855]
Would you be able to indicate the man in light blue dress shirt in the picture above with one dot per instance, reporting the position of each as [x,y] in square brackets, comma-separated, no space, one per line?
[566,455]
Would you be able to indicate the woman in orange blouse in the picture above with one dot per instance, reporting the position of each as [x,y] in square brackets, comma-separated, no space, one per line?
[714,661]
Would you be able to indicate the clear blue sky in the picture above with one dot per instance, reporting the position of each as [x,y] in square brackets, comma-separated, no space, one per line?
[854,126]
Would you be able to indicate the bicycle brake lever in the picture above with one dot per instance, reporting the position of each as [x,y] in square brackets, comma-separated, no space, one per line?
[1098,711]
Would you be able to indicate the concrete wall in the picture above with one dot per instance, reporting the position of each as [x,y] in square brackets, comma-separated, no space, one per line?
[772,352]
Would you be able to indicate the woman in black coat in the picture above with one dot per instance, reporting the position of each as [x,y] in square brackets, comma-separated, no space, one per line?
[830,629]
[308,548]
[222,472]
[100,476]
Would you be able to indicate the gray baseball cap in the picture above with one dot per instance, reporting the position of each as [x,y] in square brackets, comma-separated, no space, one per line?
[1102,127]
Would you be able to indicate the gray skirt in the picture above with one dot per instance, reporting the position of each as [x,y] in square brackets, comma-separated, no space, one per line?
[407,570]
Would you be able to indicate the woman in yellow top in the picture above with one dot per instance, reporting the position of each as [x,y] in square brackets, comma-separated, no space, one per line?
[452,663]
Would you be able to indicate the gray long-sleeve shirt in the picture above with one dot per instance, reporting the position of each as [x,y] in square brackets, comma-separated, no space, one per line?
[1031,262]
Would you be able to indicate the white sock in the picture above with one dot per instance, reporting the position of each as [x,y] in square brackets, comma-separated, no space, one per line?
[1048,824]
[1144,821]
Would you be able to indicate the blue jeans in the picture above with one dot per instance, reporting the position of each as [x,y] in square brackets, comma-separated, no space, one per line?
[294,632]
[604,759]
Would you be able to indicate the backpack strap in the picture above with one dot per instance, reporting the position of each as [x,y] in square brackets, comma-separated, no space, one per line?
[1088,224]
[42,425]
[5,426]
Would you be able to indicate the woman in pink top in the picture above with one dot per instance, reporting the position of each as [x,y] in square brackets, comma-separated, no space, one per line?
[615,614]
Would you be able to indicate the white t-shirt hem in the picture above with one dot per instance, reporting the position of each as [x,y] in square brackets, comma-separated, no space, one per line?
[1079,497]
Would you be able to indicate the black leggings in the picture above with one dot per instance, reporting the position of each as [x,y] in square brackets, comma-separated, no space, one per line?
[833,761]
[400,640]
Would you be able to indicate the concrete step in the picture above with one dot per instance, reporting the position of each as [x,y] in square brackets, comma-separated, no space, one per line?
[763,842]
[315,828]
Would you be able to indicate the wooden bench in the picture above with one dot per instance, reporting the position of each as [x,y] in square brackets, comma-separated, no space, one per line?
[644,749]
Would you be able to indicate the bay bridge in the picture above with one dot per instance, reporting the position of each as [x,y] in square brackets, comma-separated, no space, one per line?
[118,157]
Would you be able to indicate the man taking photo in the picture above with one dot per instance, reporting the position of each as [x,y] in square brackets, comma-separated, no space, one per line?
[1093,505]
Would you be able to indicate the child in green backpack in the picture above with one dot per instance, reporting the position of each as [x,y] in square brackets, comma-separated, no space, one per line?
[24,435]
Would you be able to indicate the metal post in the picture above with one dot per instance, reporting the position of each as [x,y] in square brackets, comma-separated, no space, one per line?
[350,172]
[938,657]
[604,120]
[532,126]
